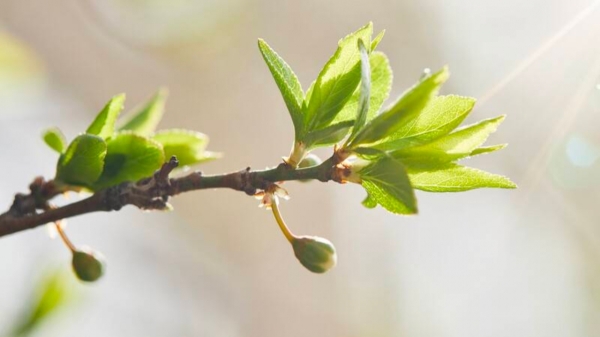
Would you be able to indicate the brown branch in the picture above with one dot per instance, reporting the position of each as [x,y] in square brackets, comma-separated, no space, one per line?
[150,193]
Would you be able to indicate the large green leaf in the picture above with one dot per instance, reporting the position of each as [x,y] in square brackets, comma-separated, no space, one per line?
[387,184]
[104,124]
[337,81]
[55,139]
[408,107]
[82,162]
[328,135]
[144,119]
[130,157]
[439,118]
[188,146]
[455,178]
[288,84]
[381,84]
[454,146]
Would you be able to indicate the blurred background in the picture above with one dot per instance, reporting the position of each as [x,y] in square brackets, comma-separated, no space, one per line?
[481,263]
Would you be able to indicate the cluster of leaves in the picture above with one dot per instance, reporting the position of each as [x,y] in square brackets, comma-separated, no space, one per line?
[106,154]
[412,144]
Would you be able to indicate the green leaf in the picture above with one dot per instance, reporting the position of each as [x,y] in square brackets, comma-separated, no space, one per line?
[288,84]
[365,89]
[369,202]
[487,149]
[408,107]
[55,139]
[130,157]
[439,118]
[328,135]
[368,153]
[387,184]
[104,124]
[308,95]
[188,146]
[82,162]
[455,178]
[381,84]
[376,40]
[454,146]
[144,119]
[337,81]
[52,294]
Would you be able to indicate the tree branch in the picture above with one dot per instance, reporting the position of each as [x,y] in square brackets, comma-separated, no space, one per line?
[150,193]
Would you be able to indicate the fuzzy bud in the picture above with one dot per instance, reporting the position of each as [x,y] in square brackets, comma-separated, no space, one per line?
[315,253]
[309,161]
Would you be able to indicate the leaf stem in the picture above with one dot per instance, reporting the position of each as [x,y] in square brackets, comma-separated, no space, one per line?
[64,237]
[284,228]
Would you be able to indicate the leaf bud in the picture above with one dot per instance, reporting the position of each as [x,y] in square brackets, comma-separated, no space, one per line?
[309,161]
[88,265]
[315,253]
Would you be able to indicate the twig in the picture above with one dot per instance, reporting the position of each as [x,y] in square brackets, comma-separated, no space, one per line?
[150,193]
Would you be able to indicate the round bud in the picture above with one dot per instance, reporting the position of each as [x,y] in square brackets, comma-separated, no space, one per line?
[309,161]
[88,264]
[315,253]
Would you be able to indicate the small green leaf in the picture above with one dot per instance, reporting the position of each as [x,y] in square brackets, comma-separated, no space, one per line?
[104,124]
[439,118]
[455,178]
[288,84]
[82,162]
[387,184]
[408,107]
[454,146]
[53,292]
[130,157]
[376,40]
[188,146]
[381,84]
[337,81]
[308,95]
[487,149]
[369,202]
[328,135]
[365,89]
[55,139]
[144,119]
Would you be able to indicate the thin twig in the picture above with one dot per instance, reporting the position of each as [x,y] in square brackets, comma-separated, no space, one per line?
[150,193]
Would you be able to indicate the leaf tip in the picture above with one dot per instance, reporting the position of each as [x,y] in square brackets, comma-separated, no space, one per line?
[120,97]
[162,93]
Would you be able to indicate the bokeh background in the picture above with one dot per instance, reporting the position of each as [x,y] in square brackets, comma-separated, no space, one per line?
[481,263]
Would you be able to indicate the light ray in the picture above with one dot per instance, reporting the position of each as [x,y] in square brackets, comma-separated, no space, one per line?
[541,50]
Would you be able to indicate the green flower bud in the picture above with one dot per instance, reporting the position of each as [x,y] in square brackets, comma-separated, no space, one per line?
[88,264]
[315,253]
[309,161]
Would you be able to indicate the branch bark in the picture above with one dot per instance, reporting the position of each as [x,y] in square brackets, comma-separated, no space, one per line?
[31,210]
